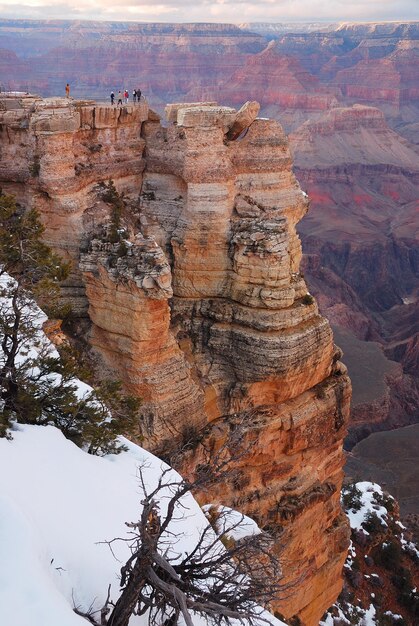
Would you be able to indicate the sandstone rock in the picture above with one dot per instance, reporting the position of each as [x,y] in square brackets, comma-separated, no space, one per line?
[202,314]
[226,214]
[246,115]
[128,305]
[172,110]
[54,153]
[206,116]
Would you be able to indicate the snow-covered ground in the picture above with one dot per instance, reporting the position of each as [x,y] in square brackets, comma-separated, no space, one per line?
[368,509]
[57,504]
[367,504]
[231,523]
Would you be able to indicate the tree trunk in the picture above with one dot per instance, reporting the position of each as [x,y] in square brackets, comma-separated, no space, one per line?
[125,605]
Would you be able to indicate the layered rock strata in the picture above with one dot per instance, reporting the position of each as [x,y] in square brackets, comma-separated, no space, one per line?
[225,215]
[361,242]
[128,303]
[204,313]
[55,151]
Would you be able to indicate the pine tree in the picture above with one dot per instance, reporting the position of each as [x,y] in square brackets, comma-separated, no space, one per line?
[111,196]
[25,256]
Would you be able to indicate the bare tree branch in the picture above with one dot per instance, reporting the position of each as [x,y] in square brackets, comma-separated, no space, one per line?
[222,580]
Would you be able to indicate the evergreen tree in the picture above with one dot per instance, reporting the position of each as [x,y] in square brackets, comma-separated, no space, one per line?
[23,256]
[111,196]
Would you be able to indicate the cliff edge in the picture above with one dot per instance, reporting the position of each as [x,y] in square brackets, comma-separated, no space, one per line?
[203,312]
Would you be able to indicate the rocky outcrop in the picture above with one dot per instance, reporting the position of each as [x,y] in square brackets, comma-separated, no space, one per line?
[200,307]
[54,154]
[225,213]
[301,508]
[128,293]
[244,118]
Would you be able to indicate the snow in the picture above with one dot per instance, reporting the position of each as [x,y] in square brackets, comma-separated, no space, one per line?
[330,620]
[231,523]
[70,501]
[369,617]
[57,504]
[395,616]
[364,501]
[368,505]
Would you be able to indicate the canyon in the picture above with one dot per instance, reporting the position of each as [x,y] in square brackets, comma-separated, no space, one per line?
[218,276]
[203,311]
[295,71]
[348,95]
[361,240]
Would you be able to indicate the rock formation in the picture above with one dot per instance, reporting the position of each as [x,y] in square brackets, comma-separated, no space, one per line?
[204,313]
[55,151]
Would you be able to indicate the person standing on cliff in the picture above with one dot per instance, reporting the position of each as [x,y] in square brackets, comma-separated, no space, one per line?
[138,94]
[67,90]
[134,96]
[112,98]
[119,99]
[126,96]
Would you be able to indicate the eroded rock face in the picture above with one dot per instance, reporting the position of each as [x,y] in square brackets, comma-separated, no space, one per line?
[55,152]
[204,313]
[225,213]
[128,303]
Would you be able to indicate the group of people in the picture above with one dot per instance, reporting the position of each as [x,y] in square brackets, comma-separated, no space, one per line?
[123,97]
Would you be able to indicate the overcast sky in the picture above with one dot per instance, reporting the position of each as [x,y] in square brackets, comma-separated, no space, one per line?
[215,10]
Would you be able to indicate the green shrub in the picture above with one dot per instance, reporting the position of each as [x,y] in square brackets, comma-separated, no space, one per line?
[372,523]
[389,556]
[308,299]
[351,497]
[42,389]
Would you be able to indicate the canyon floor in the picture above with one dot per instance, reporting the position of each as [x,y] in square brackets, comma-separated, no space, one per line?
[390,458]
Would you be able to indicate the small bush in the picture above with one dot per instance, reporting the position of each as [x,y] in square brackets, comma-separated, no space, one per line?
[149,195]
[351,497]
[372,524]
[389,556]
[191,437]
[390,620]
[110,195]
[122,249]
[239,481]
[308,299]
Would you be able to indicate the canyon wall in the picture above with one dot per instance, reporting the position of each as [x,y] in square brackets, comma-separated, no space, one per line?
[55,152]
[361,240]
[296,71]
[201,308]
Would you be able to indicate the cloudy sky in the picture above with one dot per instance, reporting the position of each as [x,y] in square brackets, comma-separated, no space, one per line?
[215,10]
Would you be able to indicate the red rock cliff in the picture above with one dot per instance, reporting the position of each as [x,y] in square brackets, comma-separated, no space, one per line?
[206,315]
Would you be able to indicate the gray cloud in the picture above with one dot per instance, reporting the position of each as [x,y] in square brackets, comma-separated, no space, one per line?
[216,10]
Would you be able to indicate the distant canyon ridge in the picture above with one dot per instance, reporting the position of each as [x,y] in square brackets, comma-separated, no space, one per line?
[348,94]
